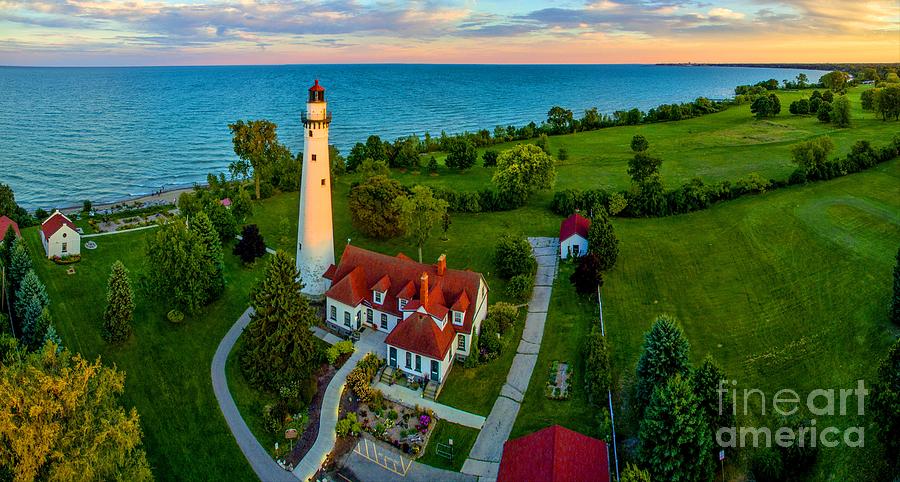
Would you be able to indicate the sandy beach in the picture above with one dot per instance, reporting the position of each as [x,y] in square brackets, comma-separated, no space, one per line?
[168,195]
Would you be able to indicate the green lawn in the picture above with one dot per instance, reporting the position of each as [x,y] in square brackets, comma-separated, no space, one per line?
[167,366]
[249,400]
[463,439]
[569,321]
[788,289]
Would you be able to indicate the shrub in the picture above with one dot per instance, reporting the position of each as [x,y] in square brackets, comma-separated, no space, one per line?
[340,348]
[562,154]
[489,158]
[503,316]
[513,257]
[519,287]
[175,316]
[588,275]
[766,465]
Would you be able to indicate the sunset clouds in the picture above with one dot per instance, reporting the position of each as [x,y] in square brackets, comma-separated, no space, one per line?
[151,32]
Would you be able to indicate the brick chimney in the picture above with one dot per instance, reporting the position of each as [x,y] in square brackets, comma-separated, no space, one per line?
[423,289]
[442,265]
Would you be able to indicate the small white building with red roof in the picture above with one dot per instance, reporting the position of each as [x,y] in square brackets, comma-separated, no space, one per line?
[5,225]
[430,312]
[60,237]
[573,236]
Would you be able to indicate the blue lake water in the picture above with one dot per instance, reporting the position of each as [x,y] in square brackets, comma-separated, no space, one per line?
[68,134]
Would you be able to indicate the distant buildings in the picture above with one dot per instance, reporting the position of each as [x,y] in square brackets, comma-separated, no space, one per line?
[60,237]
[573,236]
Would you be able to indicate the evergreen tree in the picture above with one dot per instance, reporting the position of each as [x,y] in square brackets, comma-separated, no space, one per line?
[19,264]
[885,403]
[675,442]
[35,333]
[895,301]
[279,346]
[251,245]
[665,355]
[6,249]
[602,240]
[213,258]
[53,336]
[705,380]
[596,368]
[31,299]
[119,305]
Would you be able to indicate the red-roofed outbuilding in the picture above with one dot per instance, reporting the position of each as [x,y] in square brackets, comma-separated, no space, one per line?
[554,454]
[573,236]
[60,237]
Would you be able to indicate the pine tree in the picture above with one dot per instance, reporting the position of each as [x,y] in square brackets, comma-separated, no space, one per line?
[31,299]
[596,368]
[6,251]
[19,264]
[895,302]
[119,305]
[53,336]
[665,355]
[279,345]
[213,258]
[35,333]
[675,442]
[602,240]
[705,380]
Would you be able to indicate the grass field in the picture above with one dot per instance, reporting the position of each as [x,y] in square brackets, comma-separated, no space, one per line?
[463,439]
[249,400]
[166,365]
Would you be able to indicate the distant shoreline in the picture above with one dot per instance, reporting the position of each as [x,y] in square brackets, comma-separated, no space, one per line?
[827,66]
[163,195]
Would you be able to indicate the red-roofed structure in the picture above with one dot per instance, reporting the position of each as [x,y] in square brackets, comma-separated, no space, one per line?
[554,454]
[428,310]
[573,236]
[60,236]
[5,225]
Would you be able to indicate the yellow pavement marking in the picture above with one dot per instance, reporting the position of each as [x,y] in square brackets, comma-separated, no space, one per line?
[399,467]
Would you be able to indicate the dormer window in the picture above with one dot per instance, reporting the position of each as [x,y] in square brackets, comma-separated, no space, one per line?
[379,297]
[457,318]
[402,302]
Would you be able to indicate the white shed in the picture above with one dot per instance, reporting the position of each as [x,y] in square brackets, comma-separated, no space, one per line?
[60,237]
[573,236]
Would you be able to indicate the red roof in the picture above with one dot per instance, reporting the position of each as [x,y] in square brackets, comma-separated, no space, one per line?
[360,271]
[53,223]
[316,87]
[419,333]
[574,224]
[5,224]
[554,454]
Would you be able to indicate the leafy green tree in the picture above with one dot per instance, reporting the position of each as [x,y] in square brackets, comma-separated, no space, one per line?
[522,170]
[560,120]
[356,157]
[283,169]
[840,112]
[639,143]
[177,266]
[774,105]
[251,246]
[513,256]
[419,212]
[867,99]
[279,347]
[461,154]
[642,166]
[213,257]
[372,209]
[665,354]
[338,163]
[504,315]
[591,120]
[370,168]
[767,466]
[31,299]
[406,153]
[824,112]
[375,149]
[602,240]
[119,305]
[8,207]
[254,142]
[647,196]
[445,224]
[887,102]
[543,142]
[617,203]
[588,275]
[802,80]
[837,81]
[489,158]
[895,301]
[885,403]
[761,107]
[812,155]
[75,427]
[432,165]
[597,376]
[675,443]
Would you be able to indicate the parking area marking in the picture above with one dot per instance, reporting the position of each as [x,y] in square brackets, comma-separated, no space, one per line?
[395,463]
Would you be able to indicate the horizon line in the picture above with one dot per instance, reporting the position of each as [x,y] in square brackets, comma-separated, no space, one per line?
[795,64]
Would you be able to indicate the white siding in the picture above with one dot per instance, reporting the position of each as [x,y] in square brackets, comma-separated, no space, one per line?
[64,235]
[568,246]
[425,370]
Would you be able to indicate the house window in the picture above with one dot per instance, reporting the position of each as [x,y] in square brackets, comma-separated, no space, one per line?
[347,318]
[379,297]
[333,313]
[369,316]
[64,246]
[408,360]
[392,357]
[461,342]
[383,321]
[418,363]
[314,157]
[402,303]
[457,318]
[575,249]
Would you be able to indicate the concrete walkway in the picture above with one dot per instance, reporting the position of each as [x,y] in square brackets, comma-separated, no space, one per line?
[412,398]
[265,467]
[370,342]
[108,233]
[484,459]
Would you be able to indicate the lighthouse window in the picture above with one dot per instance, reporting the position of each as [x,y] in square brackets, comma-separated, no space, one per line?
[323,181]
[314,157]
[310,133]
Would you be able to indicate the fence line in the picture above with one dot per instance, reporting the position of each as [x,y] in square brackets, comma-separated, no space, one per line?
[612,417]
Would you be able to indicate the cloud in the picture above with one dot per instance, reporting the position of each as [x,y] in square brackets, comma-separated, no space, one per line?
[725,13]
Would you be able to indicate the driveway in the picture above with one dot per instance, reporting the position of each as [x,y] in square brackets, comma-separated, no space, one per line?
[375,461]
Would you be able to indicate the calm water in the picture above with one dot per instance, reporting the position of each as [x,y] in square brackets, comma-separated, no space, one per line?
[68,134]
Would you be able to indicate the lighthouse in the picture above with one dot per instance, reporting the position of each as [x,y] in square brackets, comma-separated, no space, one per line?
[315,238]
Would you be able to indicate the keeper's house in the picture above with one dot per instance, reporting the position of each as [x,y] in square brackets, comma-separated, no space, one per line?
[430,312]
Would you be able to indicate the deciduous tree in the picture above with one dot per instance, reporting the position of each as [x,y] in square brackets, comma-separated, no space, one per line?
[885,403]
[639,143]
[461,154]
[513,256]
[588,274]
[251,246]
[420,212]
[596,367]
[523,170]
[177,266]
[119,305]
[372,208]
[254,142]
[840,112]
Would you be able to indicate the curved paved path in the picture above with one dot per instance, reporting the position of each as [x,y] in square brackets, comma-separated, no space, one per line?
[484,459]
[265,467]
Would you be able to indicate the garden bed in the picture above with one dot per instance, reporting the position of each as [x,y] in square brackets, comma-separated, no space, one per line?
[558,384]
[306,440]
[403,427]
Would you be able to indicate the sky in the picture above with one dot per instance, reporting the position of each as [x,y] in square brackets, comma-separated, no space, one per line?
[227,32]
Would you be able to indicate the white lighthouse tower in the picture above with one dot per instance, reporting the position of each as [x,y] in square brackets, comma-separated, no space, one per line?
[315,238]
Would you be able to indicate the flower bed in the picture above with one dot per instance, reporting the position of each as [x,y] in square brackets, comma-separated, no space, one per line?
[403,427]
[558,383]
[67,260]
